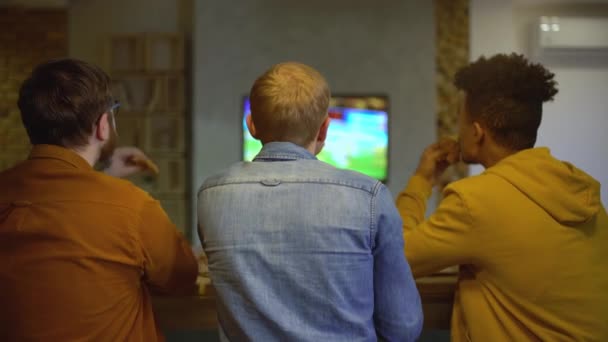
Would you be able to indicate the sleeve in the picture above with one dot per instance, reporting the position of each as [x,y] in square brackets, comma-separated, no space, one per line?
[445,239]
[397,306]
[169,263]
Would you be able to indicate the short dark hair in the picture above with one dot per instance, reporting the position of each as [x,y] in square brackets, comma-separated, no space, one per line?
[62,100]
[505,93]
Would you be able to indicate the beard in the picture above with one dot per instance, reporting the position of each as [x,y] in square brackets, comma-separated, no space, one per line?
[107,150]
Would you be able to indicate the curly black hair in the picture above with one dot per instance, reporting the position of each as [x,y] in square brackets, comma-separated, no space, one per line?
[505,93]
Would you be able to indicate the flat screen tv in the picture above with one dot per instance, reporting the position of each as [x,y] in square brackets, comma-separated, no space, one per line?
[357,139]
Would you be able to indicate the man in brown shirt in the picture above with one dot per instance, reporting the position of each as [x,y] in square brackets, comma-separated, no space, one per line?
[80,250]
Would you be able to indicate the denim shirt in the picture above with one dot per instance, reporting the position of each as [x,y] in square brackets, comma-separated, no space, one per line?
[302,251]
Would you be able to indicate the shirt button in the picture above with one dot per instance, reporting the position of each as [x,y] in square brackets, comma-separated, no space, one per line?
[271,182]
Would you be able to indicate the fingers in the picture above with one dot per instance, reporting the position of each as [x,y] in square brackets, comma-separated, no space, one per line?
[450,149]
[433,152]
[453,158]
[432,147]
[143,163]
[128,151]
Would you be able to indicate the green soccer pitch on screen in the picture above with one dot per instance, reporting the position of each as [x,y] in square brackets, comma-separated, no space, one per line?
[357,138]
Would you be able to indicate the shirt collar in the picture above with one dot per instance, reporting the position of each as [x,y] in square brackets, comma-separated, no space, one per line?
[278,151]
[43,151]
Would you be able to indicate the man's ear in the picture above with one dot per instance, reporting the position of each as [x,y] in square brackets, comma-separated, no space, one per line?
[479,132]
[323,130]
[251,126]
[102,129]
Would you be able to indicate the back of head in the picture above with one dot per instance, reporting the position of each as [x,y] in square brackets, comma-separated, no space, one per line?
[62,100]
[505,93]
[289,102]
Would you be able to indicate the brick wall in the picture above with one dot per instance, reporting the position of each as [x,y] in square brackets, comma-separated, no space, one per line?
[27,38]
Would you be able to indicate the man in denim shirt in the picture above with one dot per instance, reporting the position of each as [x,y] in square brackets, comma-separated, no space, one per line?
[299,250]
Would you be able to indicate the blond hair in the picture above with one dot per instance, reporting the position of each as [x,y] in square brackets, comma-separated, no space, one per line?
[289,102]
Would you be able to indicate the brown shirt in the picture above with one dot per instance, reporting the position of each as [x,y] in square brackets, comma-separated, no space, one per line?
[80,252]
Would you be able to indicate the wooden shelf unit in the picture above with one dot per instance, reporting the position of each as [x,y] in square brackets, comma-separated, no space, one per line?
[148,78]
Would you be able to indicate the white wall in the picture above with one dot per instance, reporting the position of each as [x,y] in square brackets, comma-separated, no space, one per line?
[491,27]
[574,126]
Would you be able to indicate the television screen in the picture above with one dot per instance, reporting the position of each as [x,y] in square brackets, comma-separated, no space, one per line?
[357,138]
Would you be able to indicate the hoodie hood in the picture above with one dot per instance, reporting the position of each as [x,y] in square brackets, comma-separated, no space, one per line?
[565,192]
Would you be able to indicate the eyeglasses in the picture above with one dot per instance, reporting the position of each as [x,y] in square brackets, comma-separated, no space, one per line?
[113,111]
[115,107]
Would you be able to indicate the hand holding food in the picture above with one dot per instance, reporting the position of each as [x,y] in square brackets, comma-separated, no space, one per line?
[130,160]
[437,158]
[450,149]
[144,163]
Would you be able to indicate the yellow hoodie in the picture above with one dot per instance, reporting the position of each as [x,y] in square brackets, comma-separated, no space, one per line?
[531,236]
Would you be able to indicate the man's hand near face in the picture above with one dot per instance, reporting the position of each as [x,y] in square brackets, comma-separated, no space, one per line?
[436,158]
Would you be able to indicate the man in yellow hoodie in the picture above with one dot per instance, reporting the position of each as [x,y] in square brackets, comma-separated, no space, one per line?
[530,233]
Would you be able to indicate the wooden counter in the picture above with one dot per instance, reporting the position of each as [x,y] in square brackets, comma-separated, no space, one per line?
[199,312]
[437,294]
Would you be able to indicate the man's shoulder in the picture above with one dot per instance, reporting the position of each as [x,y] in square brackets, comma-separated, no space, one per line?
[301,171]
[356,179]
[119,191]
[223,176]
[72,185]
[474,186]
